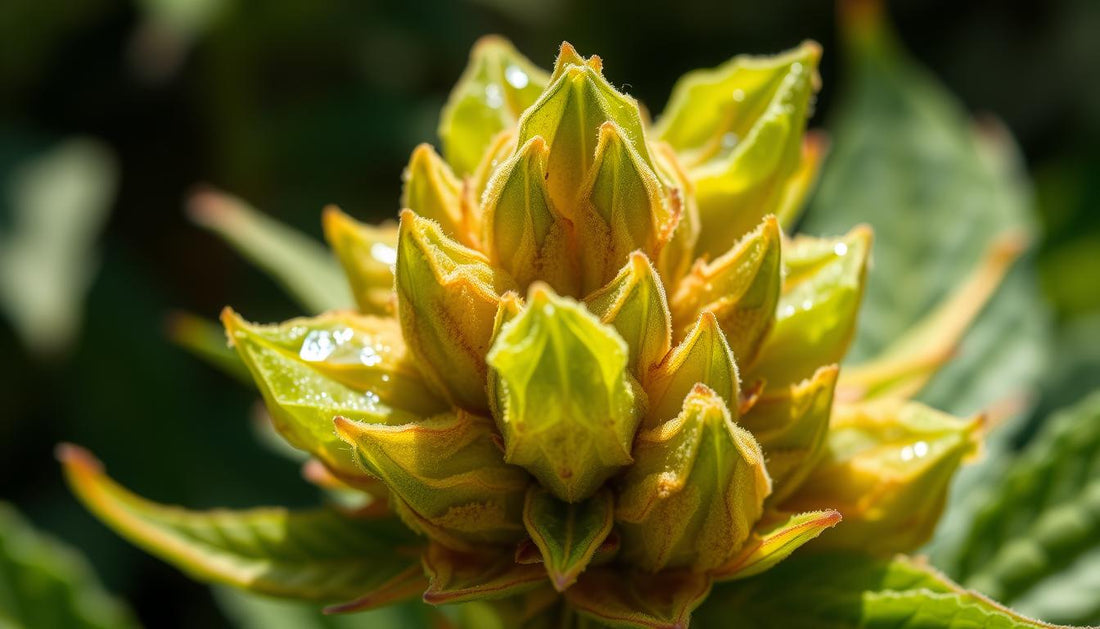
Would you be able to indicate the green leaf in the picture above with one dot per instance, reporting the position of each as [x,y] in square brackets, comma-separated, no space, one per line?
[567,535]
[301,265]
[850,591]
[907,159]
[60,202]
[1042,517]
[318,555]
[498,85]
[252,611]
[45,584]
[305,389]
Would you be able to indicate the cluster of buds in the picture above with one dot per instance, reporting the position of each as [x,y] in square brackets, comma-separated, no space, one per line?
[605,377]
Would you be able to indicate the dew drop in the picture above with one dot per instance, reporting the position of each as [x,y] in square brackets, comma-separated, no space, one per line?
[907,453]
[318,345]
[739,95]
[516,78]
[920,449]
[840,249]
[383,253]
[729,140]
[494,96]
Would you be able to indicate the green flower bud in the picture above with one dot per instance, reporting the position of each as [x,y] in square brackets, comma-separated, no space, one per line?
[497,86]
[887,468]
[522,232]
[624,207]
[703,357]
[695,490]
[634,303]
[577,102]
[445,476]
[791,423]
[816,318]
[432,191]
[741,289]
[367,253]
[556,350]
[738,130]
[447,298]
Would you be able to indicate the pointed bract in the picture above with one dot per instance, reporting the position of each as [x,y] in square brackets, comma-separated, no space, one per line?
[497,86]
[623,207]
[695,491]
[774,541]
[566,404]
[738,129]
[816,320]
[569,114]
[522,232]
[634,303]
[432,191]
[791,423]
[887,467]
[638,600]
[741,288]
[703,357]
[456,577]
[447,297]
[567,534]
[367,254]
[446,476]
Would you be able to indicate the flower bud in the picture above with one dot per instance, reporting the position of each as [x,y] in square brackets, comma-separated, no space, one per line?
[522,232]
[566,404]
[498,85]
[569,114]
[791,423]
[447,298]
[695,490]
[741,288]
[887,468]
[816,317]
[432,191]
[624,206]
[703,357]
[634,303]
[367,254]
[445,476]
[738,130]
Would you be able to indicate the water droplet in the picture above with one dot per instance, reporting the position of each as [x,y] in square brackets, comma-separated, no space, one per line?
[516,78]
[318,345]
[787,311]
[494,96]
[739,95]
[796,68]
[729,140]
[807,304]
[840,249]
[383,253]
[907,453]
[369,357]
[920,449]
[548,310]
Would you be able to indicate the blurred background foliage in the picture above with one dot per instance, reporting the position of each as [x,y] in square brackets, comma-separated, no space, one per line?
[112,111]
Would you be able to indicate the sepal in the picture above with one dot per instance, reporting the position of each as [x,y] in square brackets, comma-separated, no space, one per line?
[497,86]
[822,291]
[555,350]
[741,288]
[447,298]
[457,577]
[567,535]
[703,357]
[641,601]
[432,191]
[367,254]
[887,468]
[773,540]
[695,491]
[445,476]
[634,302]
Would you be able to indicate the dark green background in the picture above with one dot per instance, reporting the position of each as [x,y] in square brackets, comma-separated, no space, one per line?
[293,105]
